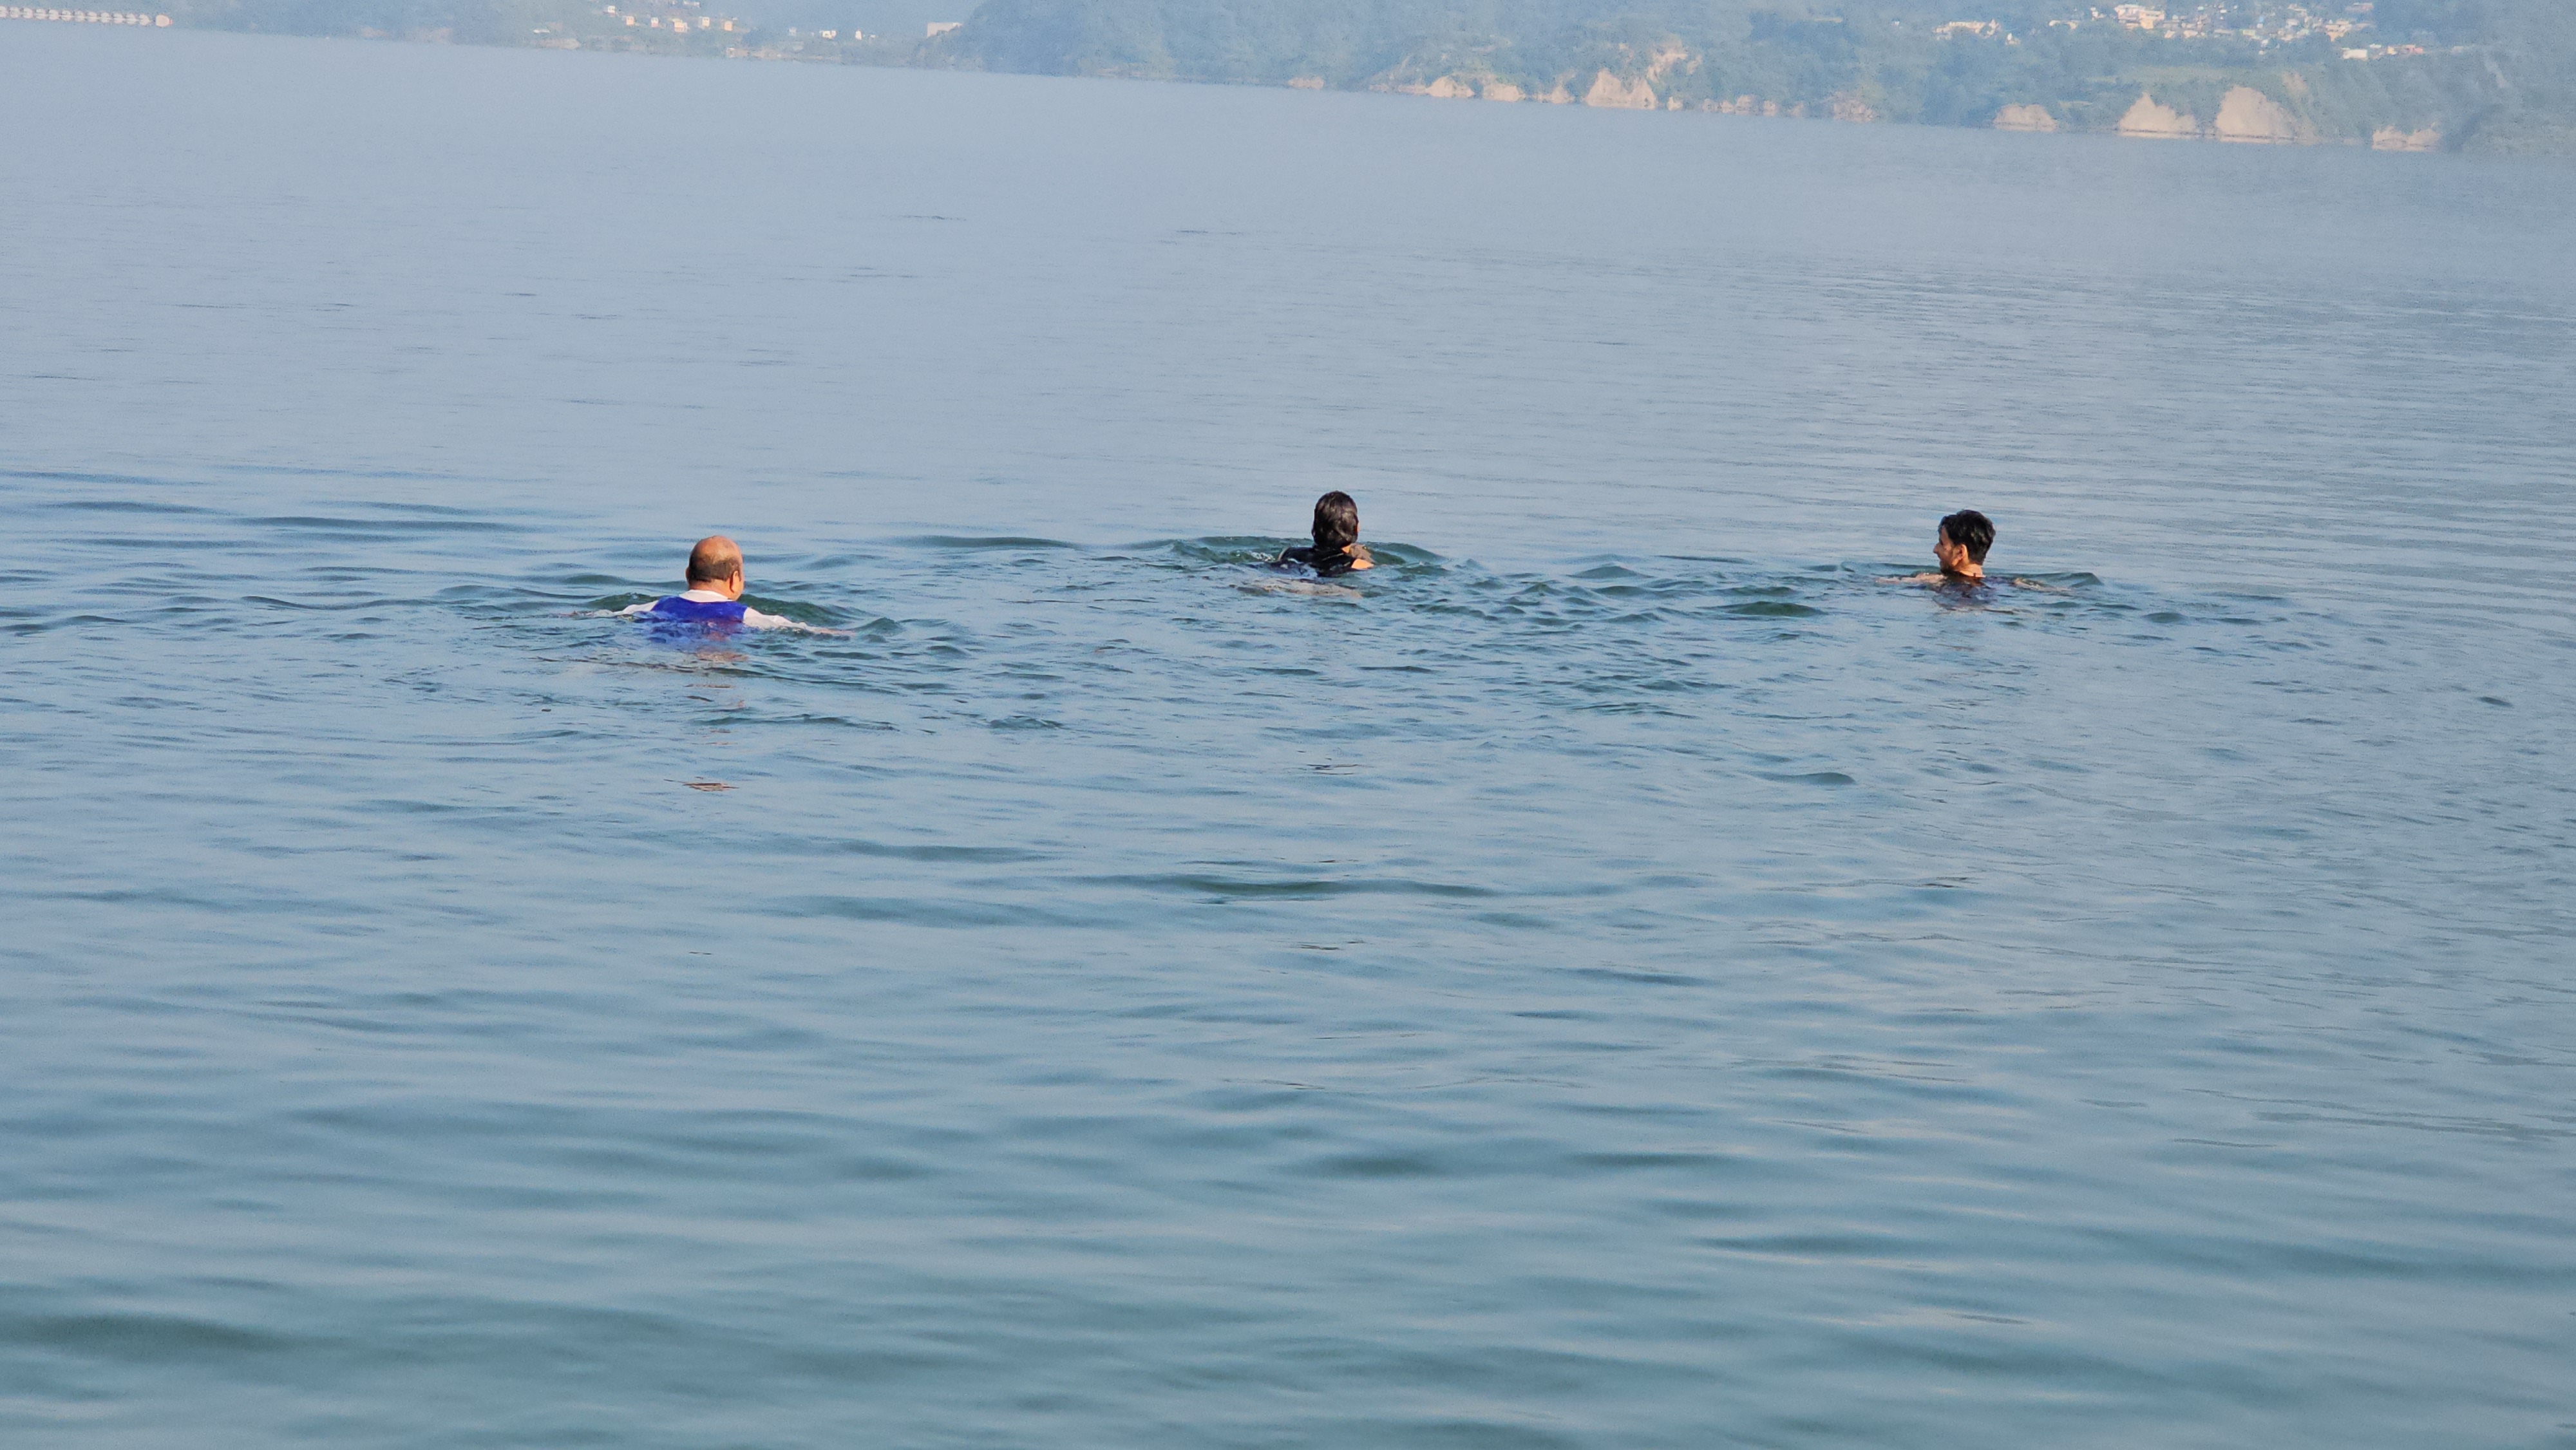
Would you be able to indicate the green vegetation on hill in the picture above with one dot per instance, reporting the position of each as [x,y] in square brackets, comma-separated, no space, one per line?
[2496,74]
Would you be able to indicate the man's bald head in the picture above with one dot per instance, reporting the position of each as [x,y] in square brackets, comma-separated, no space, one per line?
[715,560]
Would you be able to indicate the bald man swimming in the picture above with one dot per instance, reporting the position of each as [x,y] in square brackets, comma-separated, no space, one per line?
[715,592]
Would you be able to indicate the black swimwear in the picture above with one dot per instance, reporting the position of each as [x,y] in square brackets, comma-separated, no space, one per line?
[1326,566]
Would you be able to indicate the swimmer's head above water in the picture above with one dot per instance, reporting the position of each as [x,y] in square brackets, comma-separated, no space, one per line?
[1337,548]
[715,566]
[1961,545]
[1337,523]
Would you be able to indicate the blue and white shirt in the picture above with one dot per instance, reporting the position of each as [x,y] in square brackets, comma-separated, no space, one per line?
[706,606]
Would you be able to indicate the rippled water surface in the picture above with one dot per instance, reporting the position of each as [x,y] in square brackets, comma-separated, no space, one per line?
[1627,974]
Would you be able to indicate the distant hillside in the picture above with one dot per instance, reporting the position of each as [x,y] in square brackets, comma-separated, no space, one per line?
[2494,75]
[2475,75]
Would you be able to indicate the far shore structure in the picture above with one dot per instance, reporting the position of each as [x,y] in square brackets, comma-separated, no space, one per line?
[85,17]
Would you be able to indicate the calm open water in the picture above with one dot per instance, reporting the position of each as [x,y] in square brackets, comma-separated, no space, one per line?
[1631,978]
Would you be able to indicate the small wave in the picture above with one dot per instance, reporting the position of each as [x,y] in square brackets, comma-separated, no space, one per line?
[972,543]
[121,480]
[316,606]
[1220,549]
[912,911]
[364,530]
[125,506]
[160,1339]
[975,855]
[1309,888]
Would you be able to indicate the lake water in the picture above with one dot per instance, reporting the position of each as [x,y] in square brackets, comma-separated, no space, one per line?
[1629,978]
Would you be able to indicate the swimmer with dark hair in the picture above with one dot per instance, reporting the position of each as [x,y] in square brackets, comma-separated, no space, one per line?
[1960,544]
[714,595]
[1337,548]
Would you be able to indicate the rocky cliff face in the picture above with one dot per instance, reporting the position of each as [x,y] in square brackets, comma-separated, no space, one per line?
[1661,78]
[1621,95]
[2389,138]
[2247,115]
[1669,77]
[2150,121]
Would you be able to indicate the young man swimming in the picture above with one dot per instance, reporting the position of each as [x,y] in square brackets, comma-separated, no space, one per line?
[1337,548]
[714,595]
[1961,544]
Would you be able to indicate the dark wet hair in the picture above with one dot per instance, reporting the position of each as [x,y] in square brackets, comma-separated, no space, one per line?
[1337,522]
[1970,530]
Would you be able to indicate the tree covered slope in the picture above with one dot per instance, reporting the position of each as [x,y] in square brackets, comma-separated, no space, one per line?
[2492,74]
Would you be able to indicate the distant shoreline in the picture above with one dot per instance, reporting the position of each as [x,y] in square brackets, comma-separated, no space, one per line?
[2288,100]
